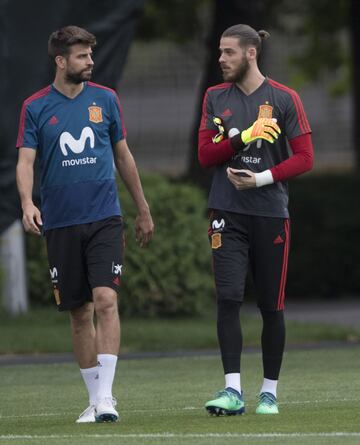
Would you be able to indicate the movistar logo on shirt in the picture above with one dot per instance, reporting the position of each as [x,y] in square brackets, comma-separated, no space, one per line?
[77,146]
[250,159]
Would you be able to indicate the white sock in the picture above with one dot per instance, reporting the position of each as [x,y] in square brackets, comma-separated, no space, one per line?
[232,380]
[106,369]
[269,386]
[91,379]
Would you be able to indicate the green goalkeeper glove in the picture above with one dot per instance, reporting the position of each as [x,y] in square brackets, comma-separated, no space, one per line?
[221,130]
[263,128]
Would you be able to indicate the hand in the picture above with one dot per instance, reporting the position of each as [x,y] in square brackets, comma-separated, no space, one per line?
[32,221]
[220,126]
[144,228]
[263,128]
[246,179]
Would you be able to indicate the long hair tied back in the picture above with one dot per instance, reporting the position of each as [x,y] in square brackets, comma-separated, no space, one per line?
[263,34]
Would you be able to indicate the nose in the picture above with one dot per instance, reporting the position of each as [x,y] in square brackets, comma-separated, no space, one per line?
[90,61]
[221,58]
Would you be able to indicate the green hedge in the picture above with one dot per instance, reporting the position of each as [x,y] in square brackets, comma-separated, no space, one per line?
[40,288]
[172,276]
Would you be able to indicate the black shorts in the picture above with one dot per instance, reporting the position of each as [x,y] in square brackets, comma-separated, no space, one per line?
[83,257]
[260,243]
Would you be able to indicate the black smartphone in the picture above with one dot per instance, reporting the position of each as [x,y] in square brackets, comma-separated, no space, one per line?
[243,174]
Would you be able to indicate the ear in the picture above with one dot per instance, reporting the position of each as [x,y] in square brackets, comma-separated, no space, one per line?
[60,62]
[251,53]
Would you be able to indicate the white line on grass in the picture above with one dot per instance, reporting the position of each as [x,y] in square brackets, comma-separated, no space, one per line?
[186,408]
[181,436]
[332,400]
[23,416]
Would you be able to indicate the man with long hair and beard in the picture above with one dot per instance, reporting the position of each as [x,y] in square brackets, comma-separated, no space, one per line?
[245,127]
[76,129]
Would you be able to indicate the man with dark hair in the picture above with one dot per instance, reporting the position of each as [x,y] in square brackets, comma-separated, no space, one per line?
[77,130]
[246,123]
[61,41]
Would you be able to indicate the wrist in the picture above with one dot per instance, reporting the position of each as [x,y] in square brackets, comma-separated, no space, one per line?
[144,209]
[27,203]
[237,143]
[264,178]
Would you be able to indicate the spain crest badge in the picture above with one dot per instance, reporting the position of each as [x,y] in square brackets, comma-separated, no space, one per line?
[265,111]
[95,114]
[216,240]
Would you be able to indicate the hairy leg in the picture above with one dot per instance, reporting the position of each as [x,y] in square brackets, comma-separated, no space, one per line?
[83,335]
[107,321]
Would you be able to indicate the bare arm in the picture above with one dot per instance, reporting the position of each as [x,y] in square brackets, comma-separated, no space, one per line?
[126,167]
[25,180]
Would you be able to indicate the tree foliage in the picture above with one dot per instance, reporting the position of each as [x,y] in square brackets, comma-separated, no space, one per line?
[318,31]
[177,20]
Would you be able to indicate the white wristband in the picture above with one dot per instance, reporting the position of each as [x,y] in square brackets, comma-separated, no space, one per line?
[264,178]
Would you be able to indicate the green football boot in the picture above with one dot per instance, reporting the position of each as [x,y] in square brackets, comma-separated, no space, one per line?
[227,402]
[267,404]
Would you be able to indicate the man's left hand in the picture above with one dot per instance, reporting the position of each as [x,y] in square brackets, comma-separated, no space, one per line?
[241,179]
[144,228]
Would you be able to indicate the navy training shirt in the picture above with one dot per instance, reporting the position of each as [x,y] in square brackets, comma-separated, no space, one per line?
[240,111]
[74,139]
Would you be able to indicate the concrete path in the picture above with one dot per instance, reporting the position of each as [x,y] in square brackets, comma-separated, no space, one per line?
[341,313]
[338,312]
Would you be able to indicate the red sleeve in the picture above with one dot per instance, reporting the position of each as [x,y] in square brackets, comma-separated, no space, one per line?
[300,162]
[211,154]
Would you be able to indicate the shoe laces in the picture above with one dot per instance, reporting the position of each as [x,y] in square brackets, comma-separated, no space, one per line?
[226,393]
[110,401]
[267,398]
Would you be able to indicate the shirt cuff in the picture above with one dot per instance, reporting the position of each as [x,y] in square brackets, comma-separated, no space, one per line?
[236,142]
[264,178]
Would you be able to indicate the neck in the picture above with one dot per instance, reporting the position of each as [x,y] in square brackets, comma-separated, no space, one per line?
[68,89]
[251,81]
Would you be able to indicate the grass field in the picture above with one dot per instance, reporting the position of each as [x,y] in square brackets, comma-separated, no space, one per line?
[161,402]
[46,330]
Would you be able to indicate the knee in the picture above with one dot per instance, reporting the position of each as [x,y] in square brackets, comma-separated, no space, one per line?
[227,310]
[105,301]
[230,293]
[272,317]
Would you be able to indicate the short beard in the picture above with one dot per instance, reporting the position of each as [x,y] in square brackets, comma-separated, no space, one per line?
[240,74]
[77,78]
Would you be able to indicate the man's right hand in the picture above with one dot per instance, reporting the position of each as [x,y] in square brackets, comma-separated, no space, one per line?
[32,221]
[263,128]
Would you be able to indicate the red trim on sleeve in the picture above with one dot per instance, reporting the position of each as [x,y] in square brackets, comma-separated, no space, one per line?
[221,86]
[20,137]
[204,114]
[37,95]
[103,87]
[300,162]
[303,122]
[121,116]
[211,154]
